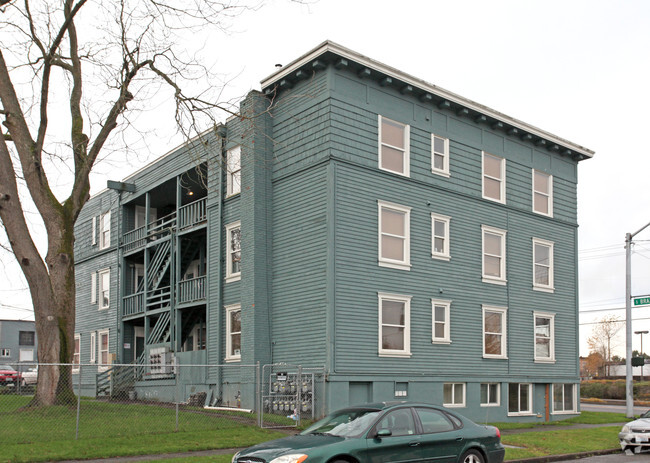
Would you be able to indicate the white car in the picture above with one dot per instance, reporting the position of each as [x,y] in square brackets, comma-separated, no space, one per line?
[635,435]
[30,376]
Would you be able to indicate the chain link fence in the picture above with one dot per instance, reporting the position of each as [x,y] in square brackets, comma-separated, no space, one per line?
[126,401]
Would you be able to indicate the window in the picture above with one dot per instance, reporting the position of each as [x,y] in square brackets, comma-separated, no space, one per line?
[440,236]
[494,177]
[544,337]
[399,422]
[233,162]
[233,251]
[542,193]
[542,265]
[393,146]
[104,289]
[564,398]
[394,236]
[490,394]
[520,399]
[104,359]
[439,155]
[440,317]
[93,288]
[233,333]
[453,394]
[105,230]
[26,338]
[76,357]
[433,420]
[494,332]
[5,353]
[401,389]
[494,255]
[394,325]
[26,355]
[93,347]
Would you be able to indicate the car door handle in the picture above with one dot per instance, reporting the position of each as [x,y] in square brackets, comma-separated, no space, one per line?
[414,443]
[458,439]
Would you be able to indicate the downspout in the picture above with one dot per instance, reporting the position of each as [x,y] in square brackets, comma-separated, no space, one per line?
[222,133]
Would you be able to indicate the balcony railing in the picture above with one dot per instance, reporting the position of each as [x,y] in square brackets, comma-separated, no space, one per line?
[134,239]
[192,213]
[159,298]
[159,228]
[191,290]
[133,304]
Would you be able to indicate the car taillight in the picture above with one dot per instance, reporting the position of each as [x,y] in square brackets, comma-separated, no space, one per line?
[498,433]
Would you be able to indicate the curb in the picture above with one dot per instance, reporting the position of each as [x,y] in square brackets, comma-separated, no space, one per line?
[568,456]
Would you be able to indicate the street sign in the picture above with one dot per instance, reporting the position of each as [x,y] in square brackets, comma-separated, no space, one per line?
[641,301]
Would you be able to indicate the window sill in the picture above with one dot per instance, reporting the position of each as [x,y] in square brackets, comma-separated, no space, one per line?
[495,281]
[232,359]
[490,405]
[495,357]
[441,257]
[395,354]
[499,201]
[406,173]
[548,361]
[521,414]
[442,173]
[233,278]
[568,412]
[544,289]
[550,216]
[394,265]
[454,405]
[441,341]
[232,195]
[103,308]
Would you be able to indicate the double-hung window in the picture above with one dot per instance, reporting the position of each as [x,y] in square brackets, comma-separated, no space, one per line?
[394,236]
[233,333]
[233,168]
[490,393]
[233,251]
[5,353]
[494,177]
[394,325]
[453,394]
[103,349]
[104,278]
[26,338]
[439,155]
[105,230]
[494,255]
[440,318]
[542,193]
[520,399]
[76,356]
[542,265]
[393,146]
[544,337]
[494,332]
[564,398]
[440,236]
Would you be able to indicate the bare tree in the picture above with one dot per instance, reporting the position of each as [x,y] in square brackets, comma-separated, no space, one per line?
[83,65]
[603,337]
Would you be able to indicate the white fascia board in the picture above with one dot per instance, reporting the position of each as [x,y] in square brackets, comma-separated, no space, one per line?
[343,52]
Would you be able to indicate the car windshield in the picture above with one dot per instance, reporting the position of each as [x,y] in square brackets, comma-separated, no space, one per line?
[645,415]
[344,423]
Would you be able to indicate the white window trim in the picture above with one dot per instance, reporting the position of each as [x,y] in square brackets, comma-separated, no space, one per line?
[93,288]
[445,254]
[93,232]
[453,393]
[392,263]
[551,316]
[549,195]
[76,366]
[229,357]
[447,335]
[406,300]
[575,398]
[100,288]
[407,147]
[93,347]
[551,267]
[103,367]
[106,217]
[489,278]
[445,168]
[504,331]
[502,180]
[230,276]
[5,352]
[498,395]
[528,412]
[230,190]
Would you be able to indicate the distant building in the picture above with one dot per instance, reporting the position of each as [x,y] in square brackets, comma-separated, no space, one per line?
[18,343]
[410,242]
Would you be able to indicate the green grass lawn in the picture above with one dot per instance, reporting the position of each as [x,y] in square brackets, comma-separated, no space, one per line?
[584,418]
[113,429]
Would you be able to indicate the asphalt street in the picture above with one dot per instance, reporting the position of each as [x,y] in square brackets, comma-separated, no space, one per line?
[615,458]
[587,407]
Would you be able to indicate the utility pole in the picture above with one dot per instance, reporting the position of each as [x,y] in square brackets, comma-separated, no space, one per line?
[629,400]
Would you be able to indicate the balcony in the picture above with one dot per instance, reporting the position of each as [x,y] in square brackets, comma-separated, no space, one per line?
[191,290]
[192,214]
[133,304]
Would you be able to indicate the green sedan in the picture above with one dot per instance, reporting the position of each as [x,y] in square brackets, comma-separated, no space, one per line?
[382,433]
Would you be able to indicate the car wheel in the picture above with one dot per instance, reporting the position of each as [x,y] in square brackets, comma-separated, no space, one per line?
[472,456]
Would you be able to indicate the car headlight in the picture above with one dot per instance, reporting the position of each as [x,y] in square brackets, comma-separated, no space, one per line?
[293,458]
[625,429]
[234,457]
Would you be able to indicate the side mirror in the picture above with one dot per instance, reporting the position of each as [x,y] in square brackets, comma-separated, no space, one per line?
[383,433]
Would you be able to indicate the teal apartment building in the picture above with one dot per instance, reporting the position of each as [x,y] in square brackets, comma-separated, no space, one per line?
[411,243]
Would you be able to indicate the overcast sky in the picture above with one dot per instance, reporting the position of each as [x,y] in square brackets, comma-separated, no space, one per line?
[578,69]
